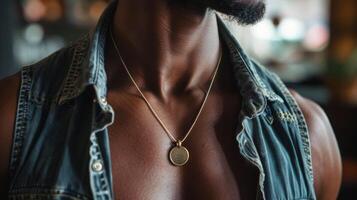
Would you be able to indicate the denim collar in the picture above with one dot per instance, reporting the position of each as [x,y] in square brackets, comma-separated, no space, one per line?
[87,68]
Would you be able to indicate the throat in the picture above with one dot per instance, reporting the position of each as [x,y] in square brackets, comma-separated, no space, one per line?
[168,48]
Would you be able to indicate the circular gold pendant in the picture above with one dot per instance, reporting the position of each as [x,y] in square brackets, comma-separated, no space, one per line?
[179,155]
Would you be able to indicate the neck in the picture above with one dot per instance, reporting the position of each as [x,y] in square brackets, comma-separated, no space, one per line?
[167,47]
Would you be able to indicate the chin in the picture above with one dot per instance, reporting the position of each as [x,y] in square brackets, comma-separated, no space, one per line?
[244,12]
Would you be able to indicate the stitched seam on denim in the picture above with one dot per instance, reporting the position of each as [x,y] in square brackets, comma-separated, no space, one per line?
[251,70]
[269,93]
[94,52]
[240,63]
[44,195]
[21,119]
[102,30]
[97,69]
[300,122]
[242,74]
[99,183]
[43,191]
[286,116]
[41,196]
[98,180]
[237,51]
[70,89]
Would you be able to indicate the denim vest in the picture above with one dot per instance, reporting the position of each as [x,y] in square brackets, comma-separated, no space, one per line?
[61,145]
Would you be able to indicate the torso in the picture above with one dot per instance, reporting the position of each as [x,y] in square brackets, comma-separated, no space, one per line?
[139,147]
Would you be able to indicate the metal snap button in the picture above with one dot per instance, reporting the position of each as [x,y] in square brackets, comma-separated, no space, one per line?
[97,166]
[103,100]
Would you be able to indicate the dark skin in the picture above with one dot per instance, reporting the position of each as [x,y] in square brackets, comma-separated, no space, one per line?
[171,55]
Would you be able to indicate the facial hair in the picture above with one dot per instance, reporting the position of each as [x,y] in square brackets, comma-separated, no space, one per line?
[240,11]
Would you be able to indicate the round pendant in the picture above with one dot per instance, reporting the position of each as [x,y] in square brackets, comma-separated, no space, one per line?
[179,155]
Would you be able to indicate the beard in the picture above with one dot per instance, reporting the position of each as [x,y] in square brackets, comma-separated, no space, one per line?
[244,12]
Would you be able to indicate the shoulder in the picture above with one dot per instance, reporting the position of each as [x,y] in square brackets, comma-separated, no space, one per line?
[326,157]
[10,79]
[8,99]
[44,79]
[8,94]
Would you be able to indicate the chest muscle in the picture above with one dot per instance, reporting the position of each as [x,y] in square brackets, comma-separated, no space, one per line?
[140,146]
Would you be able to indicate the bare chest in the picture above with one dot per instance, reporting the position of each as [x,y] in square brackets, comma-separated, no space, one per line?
[140,148]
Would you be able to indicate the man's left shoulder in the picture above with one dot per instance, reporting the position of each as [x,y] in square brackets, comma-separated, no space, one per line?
[326,157]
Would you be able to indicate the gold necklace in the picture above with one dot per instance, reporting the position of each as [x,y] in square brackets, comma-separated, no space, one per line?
[178,154]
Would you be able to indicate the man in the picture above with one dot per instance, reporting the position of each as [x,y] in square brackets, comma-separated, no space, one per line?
[195,118]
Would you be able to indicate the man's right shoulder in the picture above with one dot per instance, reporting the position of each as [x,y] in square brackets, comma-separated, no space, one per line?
[41,76]
[50,67]
[9,88]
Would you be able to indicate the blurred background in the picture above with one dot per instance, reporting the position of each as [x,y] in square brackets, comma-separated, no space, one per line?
[311,44]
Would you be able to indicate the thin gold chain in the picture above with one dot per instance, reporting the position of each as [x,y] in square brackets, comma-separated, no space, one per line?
[178,142]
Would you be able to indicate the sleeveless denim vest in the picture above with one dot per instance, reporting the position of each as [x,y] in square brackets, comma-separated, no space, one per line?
[60,143]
